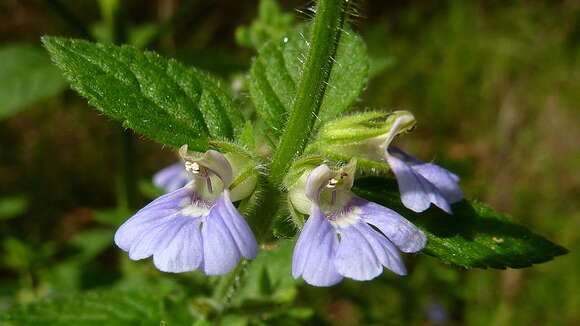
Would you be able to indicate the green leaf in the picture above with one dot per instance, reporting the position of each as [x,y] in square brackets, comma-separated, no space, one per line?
[157,97]
[272,23]
[276,71]
[11,207]
[111,308]
[26,77]
[269,276]
[474,236]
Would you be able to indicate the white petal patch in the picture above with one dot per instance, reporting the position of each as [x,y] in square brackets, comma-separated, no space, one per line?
[190,209]
[352,216]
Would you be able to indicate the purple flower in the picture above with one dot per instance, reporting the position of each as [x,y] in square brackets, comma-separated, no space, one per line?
[348,236]
[193,227]
[436,313]
[420,183]
[171,177]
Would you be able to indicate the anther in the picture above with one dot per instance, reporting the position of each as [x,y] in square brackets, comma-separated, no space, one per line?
[192,167]
[332,183]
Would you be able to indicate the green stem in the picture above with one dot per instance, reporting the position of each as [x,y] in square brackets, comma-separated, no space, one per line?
[114,15]
[126,173]
[227,285]
[261,220]
[323,43]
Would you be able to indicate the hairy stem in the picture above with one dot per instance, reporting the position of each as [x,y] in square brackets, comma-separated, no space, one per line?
[261,219]
[326,32]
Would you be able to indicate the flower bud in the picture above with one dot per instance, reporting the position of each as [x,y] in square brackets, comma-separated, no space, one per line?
[365,136]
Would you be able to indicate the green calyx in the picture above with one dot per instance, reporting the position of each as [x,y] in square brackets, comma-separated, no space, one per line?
[365,136]
[364,126]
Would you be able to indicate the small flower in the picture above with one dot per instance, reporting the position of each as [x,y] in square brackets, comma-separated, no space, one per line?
[338,239]
[436,313]
[171,177]
[420,183]
[193,227]
[368,136]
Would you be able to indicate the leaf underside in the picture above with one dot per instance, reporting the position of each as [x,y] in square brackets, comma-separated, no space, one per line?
[277,70]
[474,236]
[157,97]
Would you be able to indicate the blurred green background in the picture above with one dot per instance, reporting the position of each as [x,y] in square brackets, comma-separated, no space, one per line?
[495,89]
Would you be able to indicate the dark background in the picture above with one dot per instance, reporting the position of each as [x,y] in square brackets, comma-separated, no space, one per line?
[493,85]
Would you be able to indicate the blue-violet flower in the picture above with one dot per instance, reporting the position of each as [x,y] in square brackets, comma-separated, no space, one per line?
[420,183]
[193,227]
[338,239]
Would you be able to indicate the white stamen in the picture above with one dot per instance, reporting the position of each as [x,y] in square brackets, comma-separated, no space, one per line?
[192,167]
[332,183]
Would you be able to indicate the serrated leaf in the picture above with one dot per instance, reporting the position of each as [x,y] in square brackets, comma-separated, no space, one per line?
[26,77]
[474,236]
[157,97]
[277,70]
[111,308]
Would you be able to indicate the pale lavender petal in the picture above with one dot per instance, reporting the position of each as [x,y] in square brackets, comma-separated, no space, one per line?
[443,179]
[409,159]
[417,193]
[157,238]
[446,181]
[171,178]
[362,253]
[311,232]
[355,256]
[220,252]
[184,252]
[389,255]
[158,212]
[237,226]
[406,236]
[314,251]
